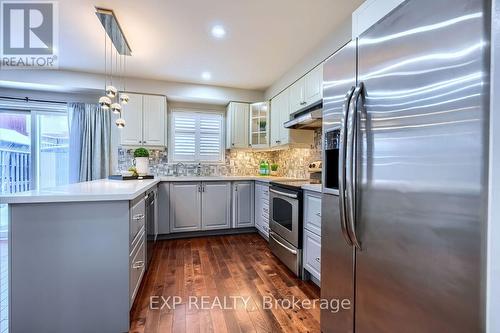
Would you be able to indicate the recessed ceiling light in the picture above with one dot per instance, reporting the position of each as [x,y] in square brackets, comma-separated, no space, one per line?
[206,75]
[218,31]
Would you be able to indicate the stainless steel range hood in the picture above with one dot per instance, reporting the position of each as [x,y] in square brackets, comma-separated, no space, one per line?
[310,118]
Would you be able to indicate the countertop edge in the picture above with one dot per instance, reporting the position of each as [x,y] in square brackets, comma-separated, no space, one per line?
[62,197]
[68,198]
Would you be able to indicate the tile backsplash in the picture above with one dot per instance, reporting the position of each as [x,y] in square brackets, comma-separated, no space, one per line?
[293,162]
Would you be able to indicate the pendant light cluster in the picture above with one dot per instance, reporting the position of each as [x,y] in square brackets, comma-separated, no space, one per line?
[118,50]
[112,100]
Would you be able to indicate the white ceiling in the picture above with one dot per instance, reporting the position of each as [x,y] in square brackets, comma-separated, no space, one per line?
[170,39]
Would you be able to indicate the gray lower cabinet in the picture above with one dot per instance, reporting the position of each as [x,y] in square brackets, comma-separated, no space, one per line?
[137,265]
[216,205]
[163,204]
[262,208]
[243,204]
[312,234]
[312,254]
[185,206]
[137,247]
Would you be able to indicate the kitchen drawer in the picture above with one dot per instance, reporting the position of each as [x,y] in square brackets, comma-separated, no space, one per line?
[137,218]
[137,262]
[312,253]
[312,212]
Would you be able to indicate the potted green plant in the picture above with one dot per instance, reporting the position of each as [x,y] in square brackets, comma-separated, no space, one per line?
[263,124]
[274,169]
[141,161]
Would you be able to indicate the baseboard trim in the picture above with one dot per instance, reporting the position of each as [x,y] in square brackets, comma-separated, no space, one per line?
[205,233]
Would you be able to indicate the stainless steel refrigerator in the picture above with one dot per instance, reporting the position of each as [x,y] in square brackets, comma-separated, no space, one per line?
[405,164]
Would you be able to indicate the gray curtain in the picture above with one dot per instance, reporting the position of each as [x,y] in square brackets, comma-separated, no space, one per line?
[90,142]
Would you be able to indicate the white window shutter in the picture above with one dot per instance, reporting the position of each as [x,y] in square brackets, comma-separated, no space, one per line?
[197,136]
[184,139]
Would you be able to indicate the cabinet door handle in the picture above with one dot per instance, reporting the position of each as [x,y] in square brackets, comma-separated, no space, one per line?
[318,259]
[203,187]
[303,103]
[138,264]
[318,214]
[138,217]
[236,188]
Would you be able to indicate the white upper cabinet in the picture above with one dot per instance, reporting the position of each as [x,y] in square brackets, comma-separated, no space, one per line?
[280,113]
[308,90]
[369,13]
[154,108]
[145,120]
[313,87]
[237,125]
[297,95]
[131,134]
[259,125]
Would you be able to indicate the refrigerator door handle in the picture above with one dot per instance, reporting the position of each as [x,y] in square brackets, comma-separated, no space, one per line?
[351,174]
[342,165]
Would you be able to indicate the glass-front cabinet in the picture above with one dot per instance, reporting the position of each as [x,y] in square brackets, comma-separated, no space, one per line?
[259,125]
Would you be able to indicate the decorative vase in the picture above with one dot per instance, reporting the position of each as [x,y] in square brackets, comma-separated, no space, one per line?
[142,165]
[274,173]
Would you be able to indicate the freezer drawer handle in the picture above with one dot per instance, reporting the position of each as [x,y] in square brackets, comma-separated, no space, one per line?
[284,194]
[292,251]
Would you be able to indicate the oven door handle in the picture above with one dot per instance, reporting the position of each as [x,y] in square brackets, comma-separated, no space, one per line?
[292,251]
[284,193]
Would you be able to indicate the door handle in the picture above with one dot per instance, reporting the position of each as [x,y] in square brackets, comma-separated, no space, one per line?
[292,251]
[342,166]
[351,172]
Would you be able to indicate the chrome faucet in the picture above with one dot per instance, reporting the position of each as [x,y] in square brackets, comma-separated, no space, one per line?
[176,170]
[198,169]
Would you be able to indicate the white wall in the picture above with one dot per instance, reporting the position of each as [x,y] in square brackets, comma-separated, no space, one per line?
[325,49]
[493,261]
[79,82]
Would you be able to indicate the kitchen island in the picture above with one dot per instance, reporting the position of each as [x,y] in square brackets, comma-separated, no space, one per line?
[78,251]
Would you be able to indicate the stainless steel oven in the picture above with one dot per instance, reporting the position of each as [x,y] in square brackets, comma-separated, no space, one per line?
[285,238]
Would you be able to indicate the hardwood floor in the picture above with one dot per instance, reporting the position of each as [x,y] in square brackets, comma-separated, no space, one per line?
[221,268]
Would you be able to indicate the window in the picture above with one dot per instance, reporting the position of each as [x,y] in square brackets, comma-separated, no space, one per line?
[34,146]
[197,136]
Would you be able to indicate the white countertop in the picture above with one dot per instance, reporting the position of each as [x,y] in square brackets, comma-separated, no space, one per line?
[96,190]
[313,187]
[111,190]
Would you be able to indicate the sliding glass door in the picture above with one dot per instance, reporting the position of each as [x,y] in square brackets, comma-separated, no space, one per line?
[34,150]
[15,152]
[52,149]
